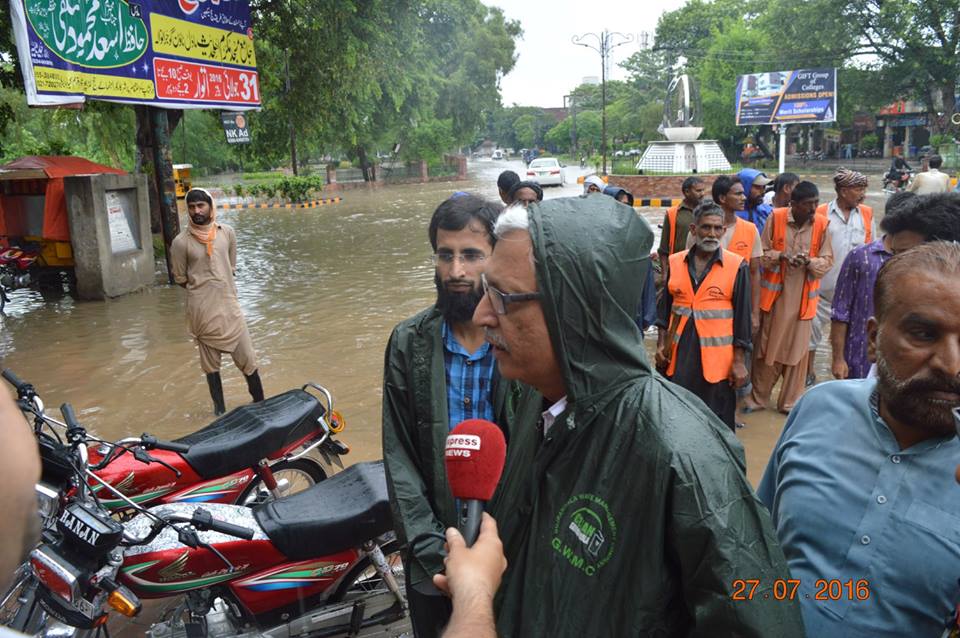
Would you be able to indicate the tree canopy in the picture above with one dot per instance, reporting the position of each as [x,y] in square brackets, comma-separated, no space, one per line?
[349,77]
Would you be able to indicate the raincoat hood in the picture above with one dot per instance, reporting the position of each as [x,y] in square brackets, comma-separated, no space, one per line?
[590,253]
[756,214]
[747,177]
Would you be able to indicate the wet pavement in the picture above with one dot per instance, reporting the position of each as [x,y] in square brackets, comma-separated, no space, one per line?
[321,289]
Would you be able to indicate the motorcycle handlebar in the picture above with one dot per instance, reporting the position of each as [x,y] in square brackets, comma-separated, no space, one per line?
[13,379]
[202,519]
[69,417]
[153,443]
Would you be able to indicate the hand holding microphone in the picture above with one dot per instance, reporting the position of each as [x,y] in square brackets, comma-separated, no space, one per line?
[475,455]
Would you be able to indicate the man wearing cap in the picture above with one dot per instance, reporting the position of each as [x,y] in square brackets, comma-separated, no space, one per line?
[850,226]
[754,185]
[525,193]
[204,258]
[593,184]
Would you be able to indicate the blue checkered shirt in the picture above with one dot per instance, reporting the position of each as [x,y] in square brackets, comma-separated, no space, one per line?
[469,380]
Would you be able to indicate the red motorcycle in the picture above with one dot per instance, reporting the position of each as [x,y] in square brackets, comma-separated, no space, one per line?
[319,563]
[15,266]
[253,453]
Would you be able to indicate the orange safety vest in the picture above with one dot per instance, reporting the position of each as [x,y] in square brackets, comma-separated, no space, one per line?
[712,310]
[867,213]
[672,218]
[771,281]
[744,234]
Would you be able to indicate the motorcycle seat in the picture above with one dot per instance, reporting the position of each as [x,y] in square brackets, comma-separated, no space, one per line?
[240,438]
[336,514]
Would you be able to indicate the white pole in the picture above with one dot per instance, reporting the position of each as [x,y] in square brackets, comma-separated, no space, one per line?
[783,148]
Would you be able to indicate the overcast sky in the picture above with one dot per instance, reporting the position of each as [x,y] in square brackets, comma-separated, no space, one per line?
[548,64]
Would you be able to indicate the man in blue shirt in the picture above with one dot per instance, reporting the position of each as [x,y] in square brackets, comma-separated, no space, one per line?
[861,484]
[438,371]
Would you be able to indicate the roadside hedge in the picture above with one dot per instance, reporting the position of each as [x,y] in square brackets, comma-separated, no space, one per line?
[290,188]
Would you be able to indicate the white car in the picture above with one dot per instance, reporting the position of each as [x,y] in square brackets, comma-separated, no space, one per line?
[546,171]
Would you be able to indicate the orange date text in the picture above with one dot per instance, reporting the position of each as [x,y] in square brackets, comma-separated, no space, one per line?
[789,589]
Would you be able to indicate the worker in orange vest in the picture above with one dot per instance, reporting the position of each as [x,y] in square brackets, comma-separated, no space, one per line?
[796,254]
[676,224]
[851,226]
[739,235]
[704,317]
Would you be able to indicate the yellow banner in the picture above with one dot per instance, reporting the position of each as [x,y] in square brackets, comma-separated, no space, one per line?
[92,84]
[200,42]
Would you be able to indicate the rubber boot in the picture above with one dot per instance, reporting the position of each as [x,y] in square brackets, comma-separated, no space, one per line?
[216,393]
[254,386]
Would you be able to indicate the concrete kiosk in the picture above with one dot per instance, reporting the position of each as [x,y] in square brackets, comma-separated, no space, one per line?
[110,232]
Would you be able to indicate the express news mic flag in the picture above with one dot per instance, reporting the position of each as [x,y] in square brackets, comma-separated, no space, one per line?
[475,454]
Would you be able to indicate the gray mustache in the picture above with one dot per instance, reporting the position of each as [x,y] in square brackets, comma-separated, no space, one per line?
[495,339]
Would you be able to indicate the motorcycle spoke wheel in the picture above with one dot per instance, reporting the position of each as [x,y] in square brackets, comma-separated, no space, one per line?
[298,475]
[364,580]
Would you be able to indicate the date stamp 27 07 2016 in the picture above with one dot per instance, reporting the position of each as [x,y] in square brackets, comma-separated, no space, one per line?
[789,589]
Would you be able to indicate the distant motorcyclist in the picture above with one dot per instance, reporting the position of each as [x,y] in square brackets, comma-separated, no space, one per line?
[899,172]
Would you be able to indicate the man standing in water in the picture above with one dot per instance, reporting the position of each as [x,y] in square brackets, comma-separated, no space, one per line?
[204,257]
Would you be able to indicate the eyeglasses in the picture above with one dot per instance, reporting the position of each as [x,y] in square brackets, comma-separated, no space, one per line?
[500,300]
[464,258]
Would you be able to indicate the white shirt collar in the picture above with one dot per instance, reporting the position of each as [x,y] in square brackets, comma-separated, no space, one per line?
[555,410]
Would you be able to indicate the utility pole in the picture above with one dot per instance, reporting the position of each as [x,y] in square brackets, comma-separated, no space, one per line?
[573,128]
[606,41]
[293,137]
[166,188]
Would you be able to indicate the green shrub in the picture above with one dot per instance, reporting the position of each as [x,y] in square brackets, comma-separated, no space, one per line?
[293,189]
[345,164]
[238,190]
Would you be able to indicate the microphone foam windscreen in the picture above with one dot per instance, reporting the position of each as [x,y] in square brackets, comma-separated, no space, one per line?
[475,454]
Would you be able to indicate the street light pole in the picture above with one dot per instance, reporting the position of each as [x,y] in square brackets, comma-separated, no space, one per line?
[573,128]
[605,42]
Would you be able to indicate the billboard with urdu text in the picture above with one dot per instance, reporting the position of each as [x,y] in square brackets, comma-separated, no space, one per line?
[170,53]
[787,97]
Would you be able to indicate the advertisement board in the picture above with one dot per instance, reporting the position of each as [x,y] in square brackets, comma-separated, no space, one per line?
[235,127]
[787,97]
[169,53]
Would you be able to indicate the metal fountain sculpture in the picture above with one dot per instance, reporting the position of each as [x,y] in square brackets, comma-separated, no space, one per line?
[682,151]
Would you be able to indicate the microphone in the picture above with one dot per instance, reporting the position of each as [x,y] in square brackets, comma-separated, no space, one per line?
[474,456]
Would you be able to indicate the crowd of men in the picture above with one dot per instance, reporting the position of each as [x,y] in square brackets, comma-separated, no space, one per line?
[624,507]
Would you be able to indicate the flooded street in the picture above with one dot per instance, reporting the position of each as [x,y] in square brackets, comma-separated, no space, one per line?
[321,289]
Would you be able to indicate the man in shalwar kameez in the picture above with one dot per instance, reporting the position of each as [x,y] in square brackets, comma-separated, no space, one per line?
[204,257]
[797,253]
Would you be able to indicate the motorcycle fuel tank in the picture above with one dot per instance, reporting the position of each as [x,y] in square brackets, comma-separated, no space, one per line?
[263,580]
[151,483]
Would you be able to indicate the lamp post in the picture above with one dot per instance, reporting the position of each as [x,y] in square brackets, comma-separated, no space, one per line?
[573,128]
[606,40]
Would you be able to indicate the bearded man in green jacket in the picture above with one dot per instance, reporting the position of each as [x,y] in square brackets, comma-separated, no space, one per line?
[625,509]
[438,371]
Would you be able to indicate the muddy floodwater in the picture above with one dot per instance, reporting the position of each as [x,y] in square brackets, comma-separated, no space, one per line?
[321,289]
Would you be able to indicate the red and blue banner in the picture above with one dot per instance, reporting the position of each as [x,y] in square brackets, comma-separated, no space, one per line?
[170,53]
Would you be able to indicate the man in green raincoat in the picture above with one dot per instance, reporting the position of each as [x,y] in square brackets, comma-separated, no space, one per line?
[624,510]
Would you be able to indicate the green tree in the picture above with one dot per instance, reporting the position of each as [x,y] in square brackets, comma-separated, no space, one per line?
[918,38]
